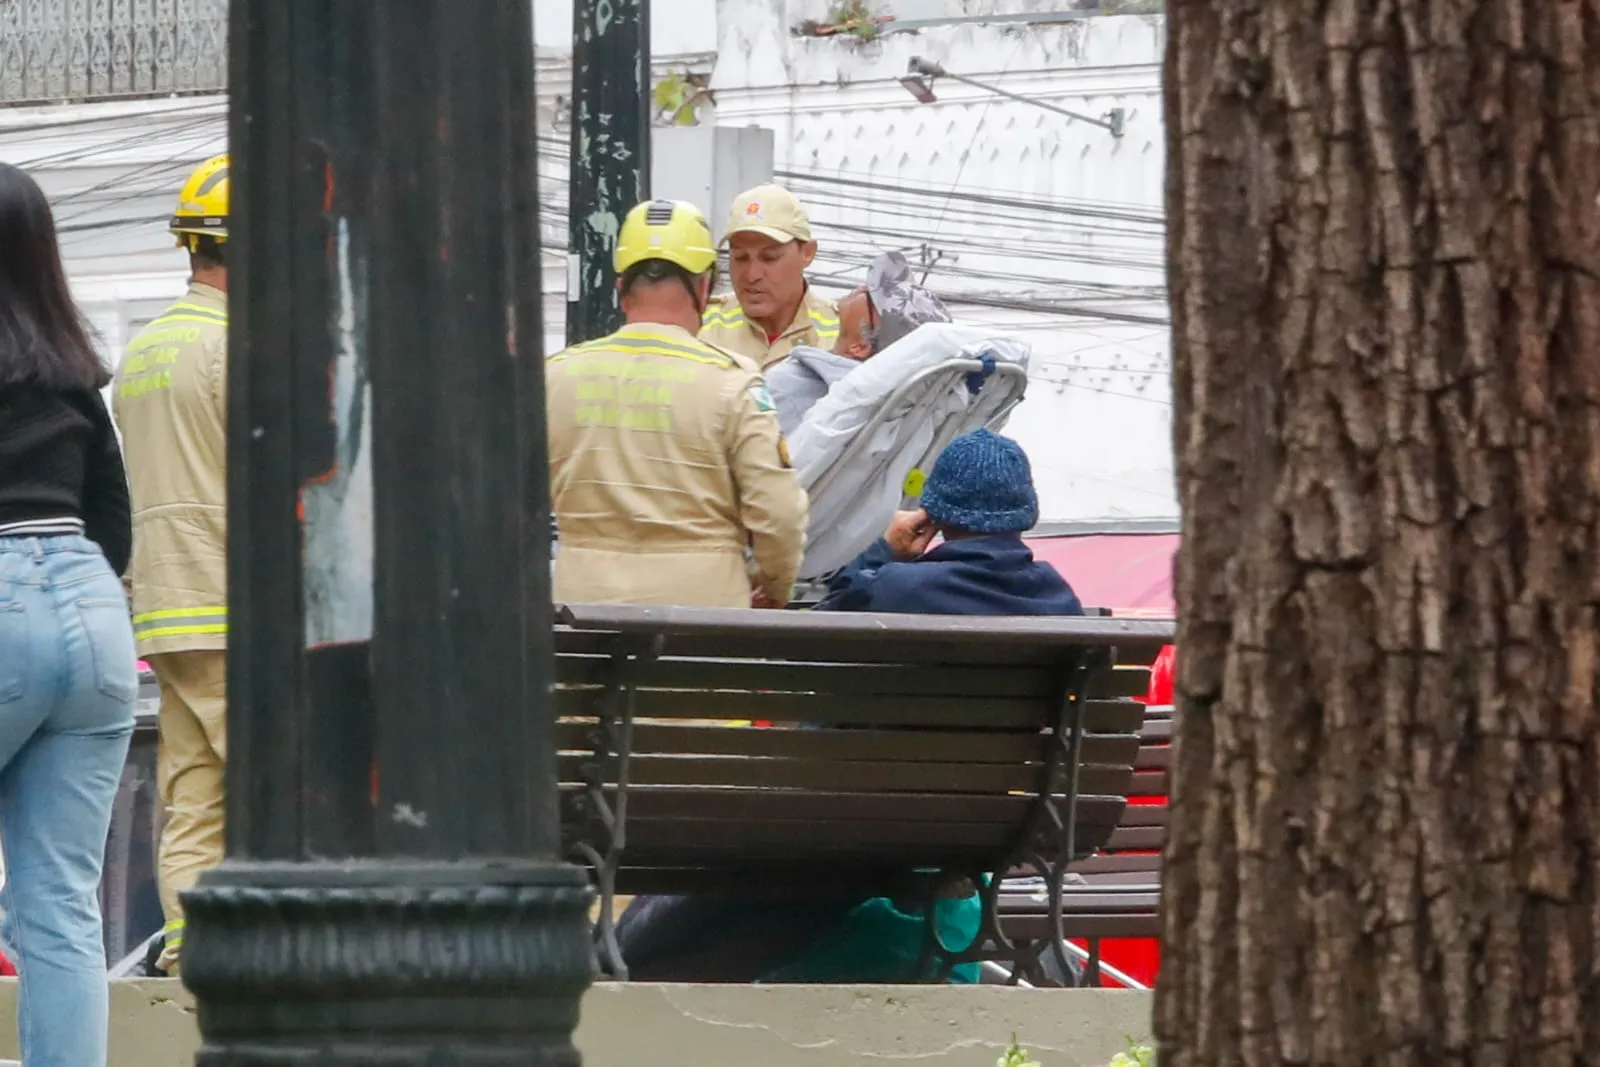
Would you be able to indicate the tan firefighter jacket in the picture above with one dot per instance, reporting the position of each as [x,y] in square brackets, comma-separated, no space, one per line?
[666,463]
[170,401]
[816,323]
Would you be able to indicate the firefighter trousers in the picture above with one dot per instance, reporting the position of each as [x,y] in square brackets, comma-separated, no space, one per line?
[189,775]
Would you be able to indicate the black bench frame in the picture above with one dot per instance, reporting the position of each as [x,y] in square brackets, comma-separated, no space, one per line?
[1048,838]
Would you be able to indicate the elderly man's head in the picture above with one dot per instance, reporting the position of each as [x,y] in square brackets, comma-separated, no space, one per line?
[884,310]
[769,248]
[858,321]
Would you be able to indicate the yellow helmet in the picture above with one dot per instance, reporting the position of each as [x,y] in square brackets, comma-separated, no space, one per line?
[670,230]
[203,204]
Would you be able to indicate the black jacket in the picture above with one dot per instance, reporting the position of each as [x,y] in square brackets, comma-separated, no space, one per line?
[991,575]
[59,458]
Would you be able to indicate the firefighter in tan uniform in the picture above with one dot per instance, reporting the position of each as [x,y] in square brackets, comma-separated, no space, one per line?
[170,400]
[666,463]
[771,308]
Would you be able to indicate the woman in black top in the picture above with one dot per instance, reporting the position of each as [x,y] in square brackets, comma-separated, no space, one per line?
[67,669]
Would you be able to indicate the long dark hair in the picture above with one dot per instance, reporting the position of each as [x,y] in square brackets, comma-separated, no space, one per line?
[43,338]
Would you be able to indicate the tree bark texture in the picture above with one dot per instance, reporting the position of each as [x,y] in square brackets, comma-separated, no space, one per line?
[1384,249]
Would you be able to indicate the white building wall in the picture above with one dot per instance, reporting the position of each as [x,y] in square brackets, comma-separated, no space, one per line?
[1072,236]
[1097,421]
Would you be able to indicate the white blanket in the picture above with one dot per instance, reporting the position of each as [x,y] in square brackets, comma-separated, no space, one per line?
[854,505]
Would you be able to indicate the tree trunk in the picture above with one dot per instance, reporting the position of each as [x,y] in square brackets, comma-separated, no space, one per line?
[1386,320]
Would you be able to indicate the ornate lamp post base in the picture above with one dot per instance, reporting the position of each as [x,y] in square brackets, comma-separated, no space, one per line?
[475,964]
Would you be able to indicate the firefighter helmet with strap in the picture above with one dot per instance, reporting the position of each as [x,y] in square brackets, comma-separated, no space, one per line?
[203,204]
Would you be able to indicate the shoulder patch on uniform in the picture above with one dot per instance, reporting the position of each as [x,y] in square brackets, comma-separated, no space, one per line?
[763,397]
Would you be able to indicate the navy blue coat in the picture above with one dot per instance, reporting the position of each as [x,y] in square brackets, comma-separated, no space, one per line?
[990,575]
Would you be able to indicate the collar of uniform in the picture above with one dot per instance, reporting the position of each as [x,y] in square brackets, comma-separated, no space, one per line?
[656,329]
[201,293]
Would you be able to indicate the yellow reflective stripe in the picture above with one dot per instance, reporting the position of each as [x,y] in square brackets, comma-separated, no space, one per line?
[163,320]
[178,613]
[827,326]
[723,318]
[173,932]
[181,622]
[692,350]
[649,344]
[182,631]
[184,305]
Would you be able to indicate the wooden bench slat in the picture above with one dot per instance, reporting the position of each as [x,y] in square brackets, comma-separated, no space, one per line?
[838,679]
[1150,879]
[779,877]
[778,628]
[866,776]
[1153,758]
[911,746]
[1146,815]
[824,649]
[1148,784]
[727,805]
[1119,682]
[781,706]
[1119,865]
[735,844]
[1101,900]
[851,649]
[741,843]
[917,710]
[1156,731]
[1137,838]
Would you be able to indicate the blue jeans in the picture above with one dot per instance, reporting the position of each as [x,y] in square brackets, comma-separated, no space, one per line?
[67,685]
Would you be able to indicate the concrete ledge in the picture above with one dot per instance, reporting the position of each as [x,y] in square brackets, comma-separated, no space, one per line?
[152,1025]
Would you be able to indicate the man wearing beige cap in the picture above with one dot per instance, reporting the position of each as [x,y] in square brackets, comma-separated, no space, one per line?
[771,308]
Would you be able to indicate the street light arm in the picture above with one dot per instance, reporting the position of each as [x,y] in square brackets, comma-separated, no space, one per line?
[1113,122]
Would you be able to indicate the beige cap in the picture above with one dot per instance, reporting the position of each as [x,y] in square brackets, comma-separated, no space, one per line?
[771,211]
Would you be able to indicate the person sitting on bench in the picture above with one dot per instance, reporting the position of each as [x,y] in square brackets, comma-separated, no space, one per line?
[980,500]
[980,497]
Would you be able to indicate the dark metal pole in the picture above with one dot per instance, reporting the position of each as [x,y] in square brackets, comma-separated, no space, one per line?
[392,892]
[610,164]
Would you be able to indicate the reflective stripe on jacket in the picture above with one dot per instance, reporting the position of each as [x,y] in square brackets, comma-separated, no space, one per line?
[170,399]
[816,323]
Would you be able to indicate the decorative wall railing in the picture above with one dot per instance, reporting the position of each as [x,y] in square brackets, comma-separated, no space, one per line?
[58,51]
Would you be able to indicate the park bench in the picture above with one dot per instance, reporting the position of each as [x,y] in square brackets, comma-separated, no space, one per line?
[907,754]
[1115,893]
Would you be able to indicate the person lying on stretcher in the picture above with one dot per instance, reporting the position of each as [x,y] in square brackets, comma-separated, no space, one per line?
[871,319]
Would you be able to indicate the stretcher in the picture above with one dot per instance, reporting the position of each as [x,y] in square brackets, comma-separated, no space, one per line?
[863,450]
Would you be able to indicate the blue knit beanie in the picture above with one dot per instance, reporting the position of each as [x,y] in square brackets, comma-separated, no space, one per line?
[982,482]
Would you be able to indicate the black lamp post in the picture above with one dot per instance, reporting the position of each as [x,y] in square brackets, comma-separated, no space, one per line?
[392,892]
[610,161]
